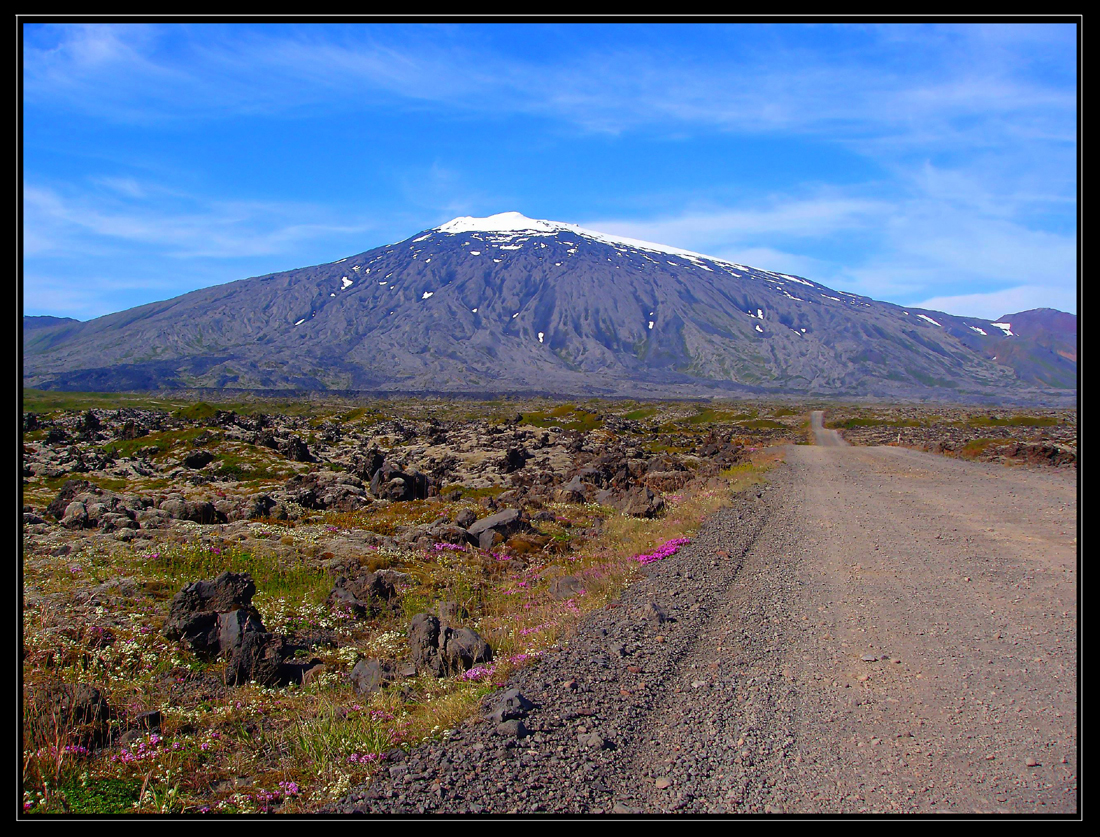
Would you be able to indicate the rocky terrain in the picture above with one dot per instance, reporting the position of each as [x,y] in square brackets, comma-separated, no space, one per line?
[254,606]
[129,471]
[192,572]
[1039,436]
[777,666]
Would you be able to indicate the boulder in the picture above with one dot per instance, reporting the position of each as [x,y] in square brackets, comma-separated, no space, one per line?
[212,616]
[258,656]
[197,511]
[514,459]
[370,675]
[153,519]
[296,450]
[75,516]
[216,617]
[65,496]
[326,490]
[508,706]
[198,459]
[365,594]
[640,502]
[572,492]
[424,643]
[260,505]
[489,538]
[67,713]
[507,522]
[365,464]
[462,649]
[391,483]
[442,650]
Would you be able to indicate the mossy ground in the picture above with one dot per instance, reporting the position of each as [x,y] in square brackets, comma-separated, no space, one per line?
[295,749]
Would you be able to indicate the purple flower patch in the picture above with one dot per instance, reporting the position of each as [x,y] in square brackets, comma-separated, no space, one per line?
[663,551]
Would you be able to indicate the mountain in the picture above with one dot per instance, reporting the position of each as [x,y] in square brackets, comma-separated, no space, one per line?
[30,323]
[1053,330]
[511,304]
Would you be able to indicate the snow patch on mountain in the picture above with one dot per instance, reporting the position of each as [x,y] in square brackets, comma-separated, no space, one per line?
[515,222]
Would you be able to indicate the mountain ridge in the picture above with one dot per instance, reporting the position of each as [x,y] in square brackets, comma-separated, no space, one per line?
[517,304]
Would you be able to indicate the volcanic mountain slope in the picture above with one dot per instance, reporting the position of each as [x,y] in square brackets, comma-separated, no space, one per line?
[30,323]
[511,304]
[1046,328]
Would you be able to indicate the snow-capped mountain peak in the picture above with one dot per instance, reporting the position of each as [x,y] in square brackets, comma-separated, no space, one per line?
[501,222]
[512,303]
[515,222]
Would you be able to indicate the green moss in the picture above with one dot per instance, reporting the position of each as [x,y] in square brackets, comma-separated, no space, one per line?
[44,401]
[707,415]
[847,424]
[163,442]
[200,411]
[763,424]
[1013,421]
[565,416]
[103,796]
[976,447]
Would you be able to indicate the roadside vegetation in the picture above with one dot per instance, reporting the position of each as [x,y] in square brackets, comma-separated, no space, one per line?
[1038,436]
[118,718]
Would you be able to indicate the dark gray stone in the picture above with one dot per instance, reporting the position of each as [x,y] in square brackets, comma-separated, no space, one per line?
[370,675]
[441,650]
[507,521]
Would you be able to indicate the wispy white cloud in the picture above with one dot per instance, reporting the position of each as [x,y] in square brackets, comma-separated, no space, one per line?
[208,70]
[85,293]
[58,221]
[996,304]
[924,245]
[969,131]
[720,228]
[781,261]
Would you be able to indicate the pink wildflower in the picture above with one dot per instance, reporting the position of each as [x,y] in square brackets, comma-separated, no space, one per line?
[454,547]
[478,672]
[663,551]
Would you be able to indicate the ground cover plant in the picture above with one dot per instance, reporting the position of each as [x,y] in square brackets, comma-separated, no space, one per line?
[1038,436]
[338,529]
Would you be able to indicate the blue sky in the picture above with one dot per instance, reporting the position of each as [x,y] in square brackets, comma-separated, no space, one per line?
[922,164]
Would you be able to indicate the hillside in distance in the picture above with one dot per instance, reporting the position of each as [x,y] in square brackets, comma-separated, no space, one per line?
[512,304]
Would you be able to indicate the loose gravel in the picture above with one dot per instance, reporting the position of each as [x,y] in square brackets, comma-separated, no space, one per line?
[858,636]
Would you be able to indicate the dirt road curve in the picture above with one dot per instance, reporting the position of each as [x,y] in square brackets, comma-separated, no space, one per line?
[880,631]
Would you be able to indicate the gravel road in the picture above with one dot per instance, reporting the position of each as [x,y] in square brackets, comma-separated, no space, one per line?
[879,630]
[822,436]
